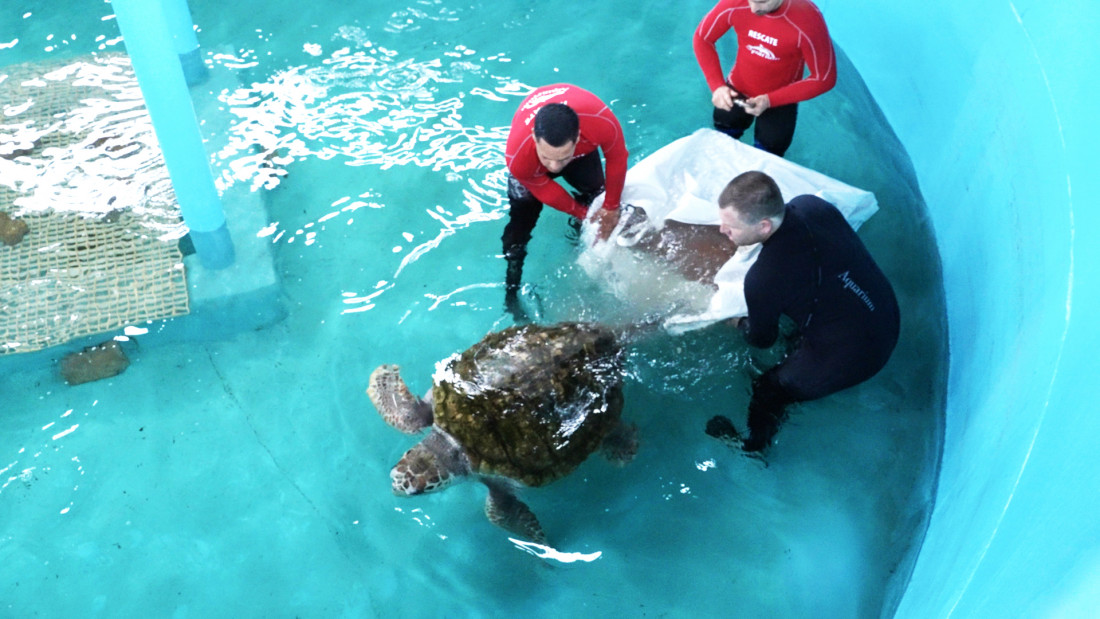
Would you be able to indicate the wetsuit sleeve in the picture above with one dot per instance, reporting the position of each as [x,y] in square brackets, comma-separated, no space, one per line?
[616,179]
[714,25]
[820,59]
[763,319]
[613,144]
[552,194]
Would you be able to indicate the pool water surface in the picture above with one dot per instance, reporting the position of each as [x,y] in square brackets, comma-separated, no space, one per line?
[247,473]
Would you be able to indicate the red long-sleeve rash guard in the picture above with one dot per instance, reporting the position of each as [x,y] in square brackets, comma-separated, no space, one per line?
[599,129]
[772,50]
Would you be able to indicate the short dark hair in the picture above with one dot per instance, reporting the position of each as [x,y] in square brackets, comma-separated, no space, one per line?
[557,124]
[755,196]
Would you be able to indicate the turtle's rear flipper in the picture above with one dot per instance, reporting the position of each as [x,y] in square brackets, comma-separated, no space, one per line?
[505,510]
[621,444]
[397,405]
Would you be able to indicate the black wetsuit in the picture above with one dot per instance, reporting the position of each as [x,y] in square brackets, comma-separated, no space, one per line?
[774,128]
[815,270]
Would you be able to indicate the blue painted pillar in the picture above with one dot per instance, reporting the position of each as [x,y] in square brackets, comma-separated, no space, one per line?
[177,16]
[160,75]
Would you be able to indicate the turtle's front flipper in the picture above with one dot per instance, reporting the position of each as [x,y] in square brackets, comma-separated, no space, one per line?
[400,408]
[505,510]
[621,444]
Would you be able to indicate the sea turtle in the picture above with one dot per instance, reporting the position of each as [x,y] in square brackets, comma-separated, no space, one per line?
[522,407]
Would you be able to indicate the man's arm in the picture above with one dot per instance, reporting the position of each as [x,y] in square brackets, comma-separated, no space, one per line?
[552,194]
[603,130]
[613,144]
[761,326]
[615,159]
[820,59]
[713,26]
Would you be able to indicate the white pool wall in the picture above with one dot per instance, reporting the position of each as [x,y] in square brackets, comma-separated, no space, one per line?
[996,102]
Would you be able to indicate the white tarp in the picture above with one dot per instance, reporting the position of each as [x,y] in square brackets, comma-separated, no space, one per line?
[681,182]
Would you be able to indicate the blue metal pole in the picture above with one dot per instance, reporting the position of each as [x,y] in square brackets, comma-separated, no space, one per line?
[177,16]
[158,70]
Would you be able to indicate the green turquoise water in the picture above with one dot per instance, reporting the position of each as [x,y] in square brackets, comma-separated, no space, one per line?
[246,475]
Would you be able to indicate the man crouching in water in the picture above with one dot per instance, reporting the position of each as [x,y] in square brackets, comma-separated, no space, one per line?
[812,267]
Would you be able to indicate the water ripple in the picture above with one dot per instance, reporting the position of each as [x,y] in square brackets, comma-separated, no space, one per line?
[361,104]
[76,137]
[365,107]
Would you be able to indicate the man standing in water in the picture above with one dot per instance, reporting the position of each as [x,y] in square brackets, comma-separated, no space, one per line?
[813,268]
[777,40]
[555,133]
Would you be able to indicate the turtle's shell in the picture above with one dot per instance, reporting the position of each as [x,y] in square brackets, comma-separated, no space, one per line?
[532,402]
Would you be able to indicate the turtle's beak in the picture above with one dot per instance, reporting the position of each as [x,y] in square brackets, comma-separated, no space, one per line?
[416,472]
[405,483]
[419,472]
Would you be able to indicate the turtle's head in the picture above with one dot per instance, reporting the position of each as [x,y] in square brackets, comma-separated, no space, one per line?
[426,468]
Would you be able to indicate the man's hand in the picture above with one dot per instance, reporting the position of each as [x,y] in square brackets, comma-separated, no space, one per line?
[757,105]
[723,97]
[606,220]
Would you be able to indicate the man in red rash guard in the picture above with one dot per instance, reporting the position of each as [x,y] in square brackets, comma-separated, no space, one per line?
[556,133]
[776,41]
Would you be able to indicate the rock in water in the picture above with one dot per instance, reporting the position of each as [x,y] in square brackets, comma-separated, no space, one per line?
[94,363]
[12,231]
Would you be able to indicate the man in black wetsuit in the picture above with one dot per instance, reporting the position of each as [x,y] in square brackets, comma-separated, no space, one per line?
[814,269]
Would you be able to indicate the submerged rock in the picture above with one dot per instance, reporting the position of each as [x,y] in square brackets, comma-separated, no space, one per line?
[94,363]
[12,230]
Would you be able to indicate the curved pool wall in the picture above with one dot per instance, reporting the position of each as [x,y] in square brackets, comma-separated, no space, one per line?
[997,105]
